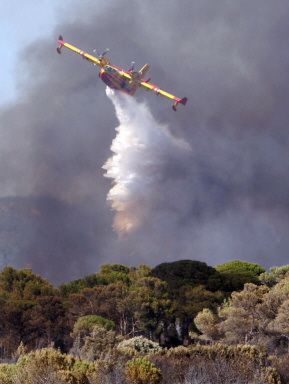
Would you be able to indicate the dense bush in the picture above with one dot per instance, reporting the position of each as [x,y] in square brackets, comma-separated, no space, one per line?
[47,366]
[141,371]
[138,345]
[217,363]
[97,344]
[274,275]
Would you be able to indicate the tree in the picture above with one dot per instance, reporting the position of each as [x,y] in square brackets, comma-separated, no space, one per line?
[46,322]
[192,286]
[23,284]
[85,324]
[12,325]
[189,302]
[109,301]
[280,323]
[236,273]
[207,322]
[274,275]
[187,272]
[150,305]
[272,300]
[114,273]
[136,273]
[75,286]
[98,343]
[257,314]
[242,315]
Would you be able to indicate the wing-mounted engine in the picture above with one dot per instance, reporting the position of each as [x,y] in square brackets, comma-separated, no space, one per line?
[135,75]
[104,60]
[135,78]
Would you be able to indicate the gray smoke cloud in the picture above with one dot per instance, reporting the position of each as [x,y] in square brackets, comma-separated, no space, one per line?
[227,198]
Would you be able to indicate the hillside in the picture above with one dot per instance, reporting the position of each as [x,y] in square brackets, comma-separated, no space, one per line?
[53,236]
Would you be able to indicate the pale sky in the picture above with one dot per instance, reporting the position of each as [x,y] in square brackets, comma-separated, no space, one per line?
[21,22]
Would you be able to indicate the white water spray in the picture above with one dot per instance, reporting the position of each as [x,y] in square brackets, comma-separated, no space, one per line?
[140,150]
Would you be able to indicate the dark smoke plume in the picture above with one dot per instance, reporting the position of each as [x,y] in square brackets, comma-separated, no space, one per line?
[227,198]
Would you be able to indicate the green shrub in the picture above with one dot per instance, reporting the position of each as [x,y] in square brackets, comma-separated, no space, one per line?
[45,363]
[6,373]
[141,371]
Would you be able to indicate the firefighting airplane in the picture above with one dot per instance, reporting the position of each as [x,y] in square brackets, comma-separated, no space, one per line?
[117,78]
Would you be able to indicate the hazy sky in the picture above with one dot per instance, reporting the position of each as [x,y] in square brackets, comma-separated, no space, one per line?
[21,23]
[225,198]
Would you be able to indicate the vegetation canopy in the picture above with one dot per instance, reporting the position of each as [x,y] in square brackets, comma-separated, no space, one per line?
[180,322]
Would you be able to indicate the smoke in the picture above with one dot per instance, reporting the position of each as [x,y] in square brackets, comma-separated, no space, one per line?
[222,195]
[141,150]
[156,215]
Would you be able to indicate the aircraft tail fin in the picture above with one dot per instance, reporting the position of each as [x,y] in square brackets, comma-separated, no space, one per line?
[60,42]
[183,101]
[144,70]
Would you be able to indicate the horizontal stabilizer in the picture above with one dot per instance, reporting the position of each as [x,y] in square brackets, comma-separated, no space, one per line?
[144,70]
[182,101]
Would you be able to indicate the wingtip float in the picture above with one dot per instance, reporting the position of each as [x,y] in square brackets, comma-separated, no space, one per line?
[117,78]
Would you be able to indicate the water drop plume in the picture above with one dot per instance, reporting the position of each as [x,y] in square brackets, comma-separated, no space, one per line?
[141,149]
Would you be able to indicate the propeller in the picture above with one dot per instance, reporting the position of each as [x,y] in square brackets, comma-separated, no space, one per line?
[103,53]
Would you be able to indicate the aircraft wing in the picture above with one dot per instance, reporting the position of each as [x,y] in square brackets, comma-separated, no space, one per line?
[158,91]
[85,55]
[103,61]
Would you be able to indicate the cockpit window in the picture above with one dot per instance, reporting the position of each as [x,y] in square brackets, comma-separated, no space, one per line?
[109,69]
